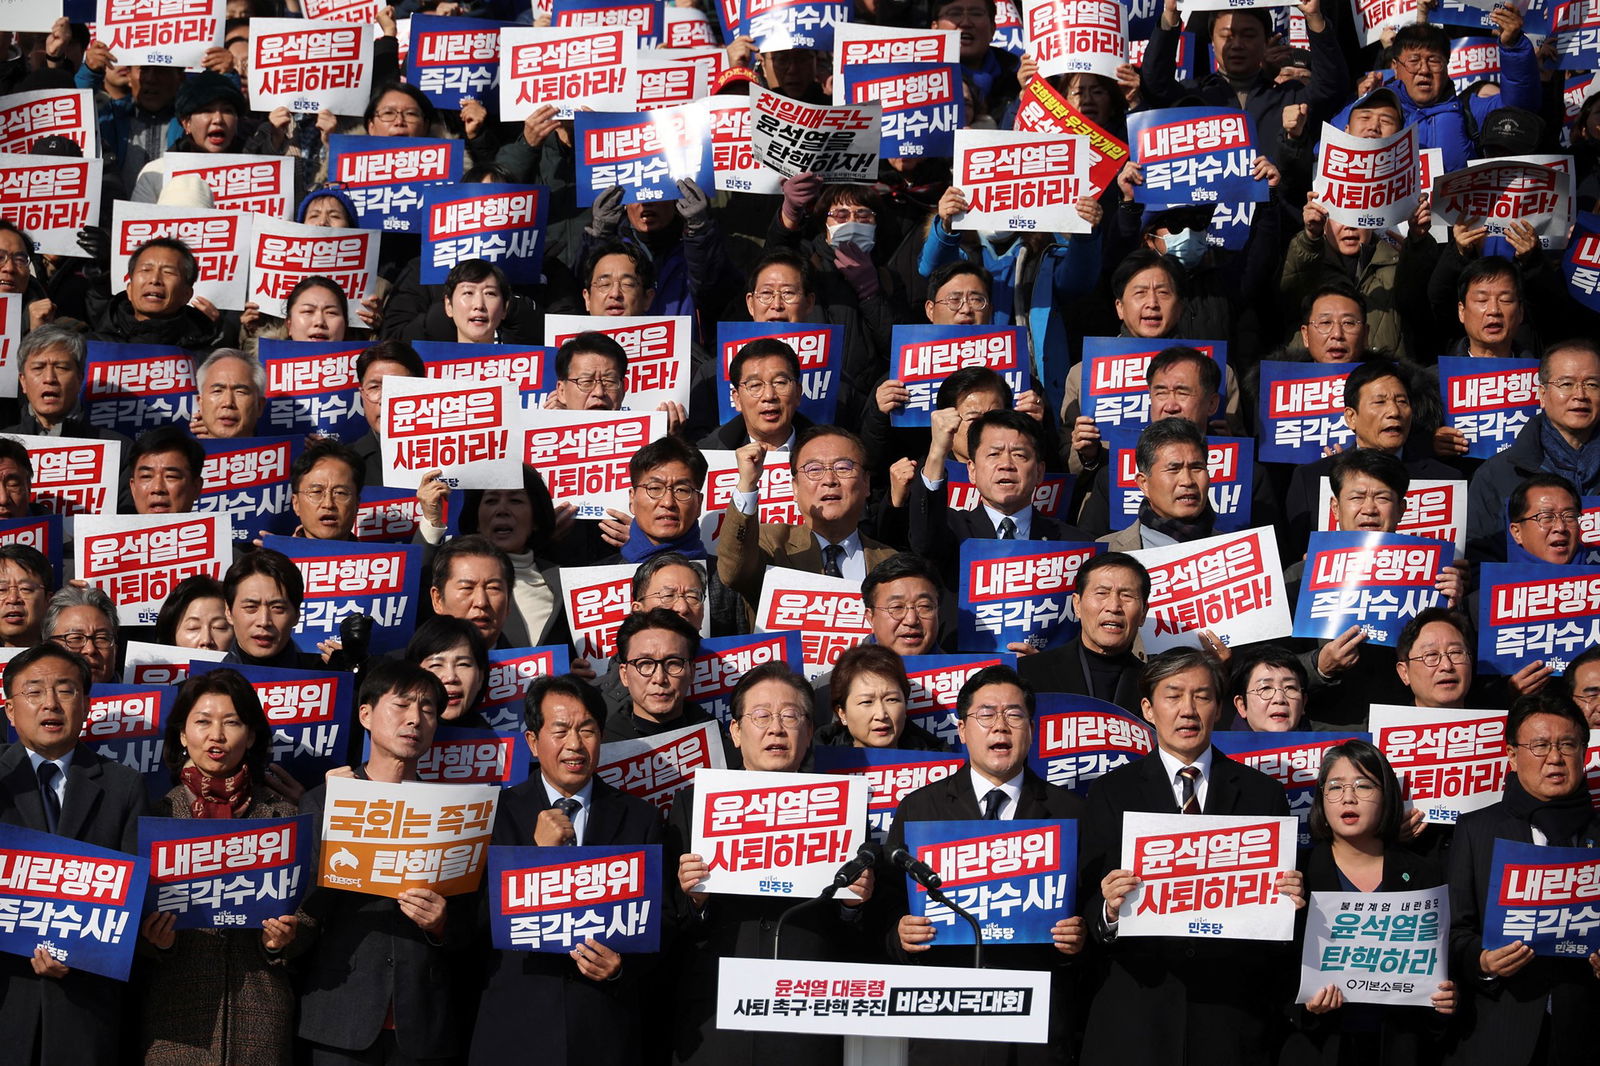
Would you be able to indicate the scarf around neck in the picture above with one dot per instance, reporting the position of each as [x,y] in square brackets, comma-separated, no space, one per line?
[640,547]
[1178,529]
[217,797]
[1581,466]
[1561,820]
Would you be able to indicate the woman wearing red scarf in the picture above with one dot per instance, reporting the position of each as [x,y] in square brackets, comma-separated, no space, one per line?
[217,995]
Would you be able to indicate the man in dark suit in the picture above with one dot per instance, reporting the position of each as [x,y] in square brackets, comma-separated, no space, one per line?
[995,712]
[589,1000]
[1109,600]
[764,376]
[51,783]
[372,366]
[1171,999]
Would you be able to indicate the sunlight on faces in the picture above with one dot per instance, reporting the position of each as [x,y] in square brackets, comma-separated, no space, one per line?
[677,588]
[204,624]
[1554,774]
[317,315]
[401,725]
[1177,482]
[262,617]
[1336,332]
[1183,709]
[505,516]
[1006,469]
[23,599]
[1367,505]
[616,288]
[567,744]
[778,296]
[1444,684]
[916,600]
[48,706]
[1382,417]
[230,404]
[1149,305]
[1110,605]
[477,308]
[215,736]
[327,500]
[999,749]
[874,710]
[1274,700]
[50,381]
[463,680]
[1350,815]
[1176,392]
[1559,542]
[594,382]
[658,697]
[163,483]
[767,395]
[774,732]
[475,590]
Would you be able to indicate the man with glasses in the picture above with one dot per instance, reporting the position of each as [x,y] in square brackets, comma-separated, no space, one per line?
[1583,683]
[372,366]
[325,485]
[655,655]
[1545,516]
[1559,439]
[52,783]
[83,620]
[903,598]
[25,586]
[764,380]
[1109,599]
[1434,659]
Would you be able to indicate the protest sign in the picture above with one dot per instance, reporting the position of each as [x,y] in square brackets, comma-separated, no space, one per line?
[857,44]
[1114,390]
[687,27]
[597,599]
[827,611]
[81,903]
[1207,875]
[1377,947]
[50,199]
[168,33]
[1195,155]
[1230,226]
[453,60]
[1230,469]
[643,16]
[381,838]
[25,16]
[144,663]
[722,661]
[838,144]
[312,388]
[567,68]
[733,159]
[936,681]
[1373,17]
[1581,263]
[1546,897]
[1053,497]
[658,349]
[232,874]
[1302,411]
[672,76]
[1488,400]
[469,430]
[554,899]
[922,105]
[384,176]
[252,184]
[1017,878]
[309,66]
[584,455]
[393,516]
[1022,181]
[922,357]
[1474,59]
[1079,738]
[774,834]
[1575,28]
[530,367]
[511,671]
[129,388]
[468,755]
[654,768]
[1292,759]
[42,533]
[646,154]
[138,559]
[1497,193]
[247,479]
[283,254]
[1367,182]
[891,775]
[310,713]
[69,113]
[1378,581]
[12,326]
[779,25]
[1434,508]
[774,493]
[1531,611]
[1008,36]
[1076,36]
[343,578]
[220,241]
[1449,761]
[1043,109]
[1231,584]
[820,350]
[127,724]
[1019,591]
[73,475]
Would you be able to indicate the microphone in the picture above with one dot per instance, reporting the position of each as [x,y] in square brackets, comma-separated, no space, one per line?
[866,856]
[919,871]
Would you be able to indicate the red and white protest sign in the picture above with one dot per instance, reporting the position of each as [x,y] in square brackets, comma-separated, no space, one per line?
[1372,17]
[11,323]
[1495,194]
[254,184]
[144,663]
[160,33]
[69,113]
[1022,181]
[310,66]
[1076,36]
[669,77]
[1208,875]
[50,199]
[139,559]
[657,347]
[654,768]
[282,254]
[1042,109]
[838,144]
[1435,508]
[597,599]
[220,241]
[733,160]
[1449,762]
[382,838]
[770,834]
[856,44]
[1231,584]
[1552,237]
[567,67]
[687,27]
[357,12]
[775,493]
[470,430]
[828,612]
[584,455]
[1368,182]
[74,476]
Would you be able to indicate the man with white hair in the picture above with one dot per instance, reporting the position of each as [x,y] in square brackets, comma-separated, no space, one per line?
[230,393]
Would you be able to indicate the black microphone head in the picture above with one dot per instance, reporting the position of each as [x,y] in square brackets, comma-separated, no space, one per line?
[868,852]
[902,858]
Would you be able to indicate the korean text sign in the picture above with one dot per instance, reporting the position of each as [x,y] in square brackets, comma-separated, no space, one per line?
[1531,611]
[1076,36]
[827,611]
[453,60]
[1449,761]
[381,838]
[1367,182]
[312,388]
[584,455]
[469,430]
[1042,109]
[50,199]
[1546,897]
[1017,878]
[891,775]
[343,577]
[922,357]
[922,104]
[1022,181]
[839,144]
[504,225]
[1231,584]
[79,902]
[73,475]
[819,348]
[385,176]
[130,388]
[553,899]
[566,68]
[1378,581]
[1115,390]
[169,33]
[1195,155]
[310,66]
[936,681]
[774,834]
[227,875]
[1019,591]
[646,154]
[1488,400]
[1079,738]
[139,559]
[309,712]
[1292,759]
[1302,411]
[1207,875]
[1377,947]
[283,254]
[654,768]
[723,661]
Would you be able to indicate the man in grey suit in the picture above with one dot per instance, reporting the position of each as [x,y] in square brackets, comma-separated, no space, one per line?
[51,783]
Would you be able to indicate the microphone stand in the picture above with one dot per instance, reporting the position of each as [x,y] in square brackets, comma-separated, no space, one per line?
[937,894]
[821,897]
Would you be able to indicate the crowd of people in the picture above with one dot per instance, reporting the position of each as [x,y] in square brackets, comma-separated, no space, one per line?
[353,978]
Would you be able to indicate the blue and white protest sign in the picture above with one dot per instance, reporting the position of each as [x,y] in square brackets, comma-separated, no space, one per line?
[1231,584]
[645,16]
[127,724]
[130,388]
[1292,759]
[922,105]
[344,578]
[310,712]
[1581,263]
[1378,581]
[1529,611]
[778,25]
[922,357]
[1079,738]
[384,176]
[1230,469]
[1053,497]
[935,682]
[503,224]
[1449,761]
[1230,224]
[511,671]
[532,367]
[1115,391]
[821,353]
[247,478]
[1575,28]
[554,899]
[1546,897]
[1474,59]
[1195,155]
[656,767]
[1377,947]
[646,154]
[723,661]
[79,902]
[392,516]
[1588,532]
[467,756]
[453,60]
[312,388]
[228,874]
[858,44]
[1207,875]
[1302,411]
[1019,591]
[42,533]
[1488,400]
[891,774]
[1017,878]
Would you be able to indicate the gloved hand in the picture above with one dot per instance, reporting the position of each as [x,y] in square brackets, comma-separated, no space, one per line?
[799,193]
[857,268]
[606,214]
[693,204]
[96,243]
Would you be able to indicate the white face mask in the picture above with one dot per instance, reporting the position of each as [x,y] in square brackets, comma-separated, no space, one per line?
[1189,246]
[861,234]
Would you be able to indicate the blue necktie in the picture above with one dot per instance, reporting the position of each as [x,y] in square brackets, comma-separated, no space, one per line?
[570,807]
[48,772]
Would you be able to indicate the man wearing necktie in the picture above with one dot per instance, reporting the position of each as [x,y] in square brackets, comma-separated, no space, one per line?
[1215,999]
[995,722]
[51,783]
[588,1000]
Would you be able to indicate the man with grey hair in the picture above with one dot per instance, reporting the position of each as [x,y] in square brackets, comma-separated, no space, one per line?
[230,392]
[50,378]
[83,620]
[1171,472]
